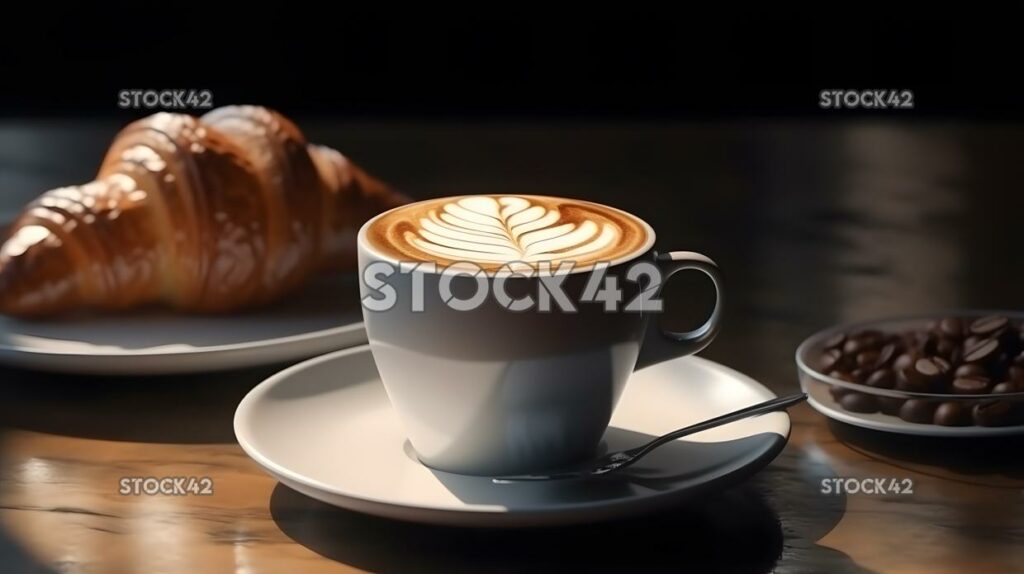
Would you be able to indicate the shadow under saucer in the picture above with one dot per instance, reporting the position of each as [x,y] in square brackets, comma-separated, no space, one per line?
[732,531]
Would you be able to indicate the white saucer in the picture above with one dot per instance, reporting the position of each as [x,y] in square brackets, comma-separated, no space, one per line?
[324,316]
[325,428]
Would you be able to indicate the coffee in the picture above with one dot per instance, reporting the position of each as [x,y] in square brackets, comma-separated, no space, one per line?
[492,231]
[488,389]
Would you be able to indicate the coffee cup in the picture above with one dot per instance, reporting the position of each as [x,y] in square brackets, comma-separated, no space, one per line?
[505,328]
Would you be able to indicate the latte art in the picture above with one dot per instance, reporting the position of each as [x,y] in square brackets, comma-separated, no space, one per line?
[492,231]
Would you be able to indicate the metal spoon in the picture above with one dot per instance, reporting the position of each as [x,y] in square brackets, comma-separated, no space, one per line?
[622,459]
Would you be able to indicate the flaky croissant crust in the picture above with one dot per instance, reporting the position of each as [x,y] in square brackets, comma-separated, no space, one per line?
[209,214]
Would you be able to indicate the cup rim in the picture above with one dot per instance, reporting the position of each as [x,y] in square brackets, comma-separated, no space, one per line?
[459,267]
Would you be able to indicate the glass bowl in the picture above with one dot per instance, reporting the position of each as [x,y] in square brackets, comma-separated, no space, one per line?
[837,384]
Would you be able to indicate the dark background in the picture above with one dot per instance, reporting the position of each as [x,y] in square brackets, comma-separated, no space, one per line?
[325,60]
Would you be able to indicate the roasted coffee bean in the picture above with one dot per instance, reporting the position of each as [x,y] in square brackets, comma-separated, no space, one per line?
[860,375]
[853,346]
[907,380]
[835,341]
[890,405]
[972,340]
[881,379]
[989,326]
[981,351]
[904,361]
[952,414]
[975,385]
[842,376]
[1016,374]
[886,355]
[945,347]
[859,403]
[838,392]
[871,335]
[957,356]
[929,371]
[918,411]
[1007,387]
[867,358]
[993,413]
[952,327]
[830,360]
[969,370]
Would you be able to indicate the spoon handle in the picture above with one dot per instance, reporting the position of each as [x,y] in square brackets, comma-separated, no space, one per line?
[778,404]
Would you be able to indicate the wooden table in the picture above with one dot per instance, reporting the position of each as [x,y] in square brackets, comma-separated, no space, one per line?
[812,223]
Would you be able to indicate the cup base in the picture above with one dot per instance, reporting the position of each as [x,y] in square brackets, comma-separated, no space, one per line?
[498,469]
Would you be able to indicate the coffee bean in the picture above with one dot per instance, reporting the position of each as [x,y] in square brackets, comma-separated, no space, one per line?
[842,376]
[957,355]
[871,335]
[969,370]
[830,360]
[904,361]
[928,367]
[881,379]
[859,403]
[890,405]
[952,327]
[972,340]
[886,355]
[993,413]
[908,380]
[1016,374]
[945,347]
[952,414]
[918,411]
[1007,387]
[867,358]
[838,392]
[976,385]
[854,346]
[981,351]
[860,375]
[835,341]
[988,326]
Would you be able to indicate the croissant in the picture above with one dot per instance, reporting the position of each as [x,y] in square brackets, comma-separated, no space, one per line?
[212,214]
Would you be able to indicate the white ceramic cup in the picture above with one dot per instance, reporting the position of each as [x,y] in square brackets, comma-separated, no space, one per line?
[492,391]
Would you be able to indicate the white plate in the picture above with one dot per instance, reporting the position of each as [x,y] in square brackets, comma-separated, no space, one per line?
[324,316]
[325,428]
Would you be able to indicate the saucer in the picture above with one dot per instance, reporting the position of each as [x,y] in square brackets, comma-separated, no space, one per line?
[322,317]
[325,428]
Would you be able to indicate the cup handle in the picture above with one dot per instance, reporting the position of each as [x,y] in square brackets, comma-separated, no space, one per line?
[675,261]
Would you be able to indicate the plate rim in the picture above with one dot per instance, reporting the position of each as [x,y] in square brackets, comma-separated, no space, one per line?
[487,517]
[11,350]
